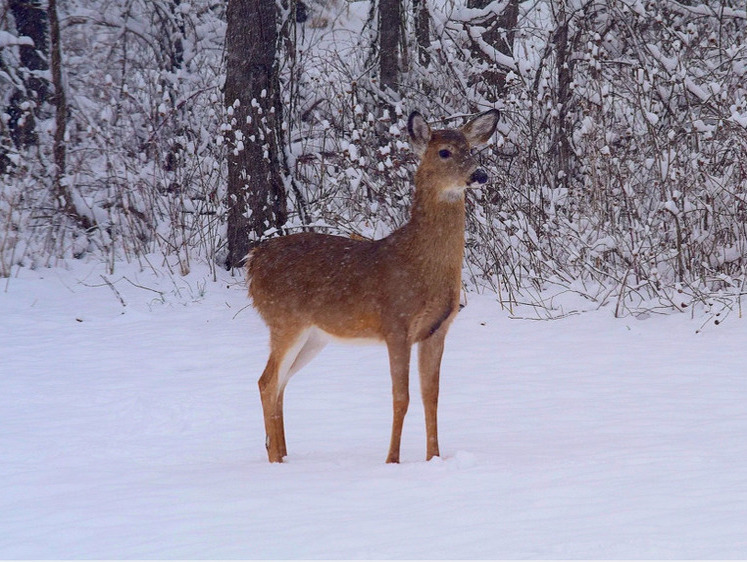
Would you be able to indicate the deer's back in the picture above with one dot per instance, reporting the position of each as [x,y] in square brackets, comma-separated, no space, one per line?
[349,288]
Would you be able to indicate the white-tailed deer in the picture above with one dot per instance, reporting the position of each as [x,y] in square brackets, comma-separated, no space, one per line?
[400,290]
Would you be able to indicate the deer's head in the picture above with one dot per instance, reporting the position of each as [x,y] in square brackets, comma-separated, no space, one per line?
[446,154]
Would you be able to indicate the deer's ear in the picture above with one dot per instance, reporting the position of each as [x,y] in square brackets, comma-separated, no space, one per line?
[420,133]
[481,128]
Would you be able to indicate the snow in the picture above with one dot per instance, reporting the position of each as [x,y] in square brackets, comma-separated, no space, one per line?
[8,40]
[740,118]
[669,63]
[500,59]
[132,428]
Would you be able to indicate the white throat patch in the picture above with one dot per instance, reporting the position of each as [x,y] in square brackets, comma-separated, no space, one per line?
[453,194]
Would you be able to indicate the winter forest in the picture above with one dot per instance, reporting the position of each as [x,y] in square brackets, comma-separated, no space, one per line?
[147,145]
[187,130]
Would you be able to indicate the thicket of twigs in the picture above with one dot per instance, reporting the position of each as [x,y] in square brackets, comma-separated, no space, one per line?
[620,170]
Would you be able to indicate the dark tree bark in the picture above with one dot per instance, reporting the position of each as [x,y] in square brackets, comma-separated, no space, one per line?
[60,104]
[390,21]
[62,193]
[499,34]
[176,56]
[256,190]
[422,30]
[171,22]
[31,21]
[564,77]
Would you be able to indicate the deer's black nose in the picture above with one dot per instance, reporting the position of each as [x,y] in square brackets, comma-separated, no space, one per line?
[478,176]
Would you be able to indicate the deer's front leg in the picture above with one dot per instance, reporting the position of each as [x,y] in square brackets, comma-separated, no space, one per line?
[429,366]
[399,364]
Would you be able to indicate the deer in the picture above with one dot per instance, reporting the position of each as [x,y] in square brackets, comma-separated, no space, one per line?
[404,289]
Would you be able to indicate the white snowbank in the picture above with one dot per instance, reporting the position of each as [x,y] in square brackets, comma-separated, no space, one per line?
[135,431]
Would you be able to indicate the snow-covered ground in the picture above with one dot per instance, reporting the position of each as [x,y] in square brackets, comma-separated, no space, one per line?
[130,427]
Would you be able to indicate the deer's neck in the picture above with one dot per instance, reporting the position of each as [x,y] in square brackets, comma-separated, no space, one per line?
[436,227]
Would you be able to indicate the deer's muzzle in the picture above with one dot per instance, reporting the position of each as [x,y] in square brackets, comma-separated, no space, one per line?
[478,176]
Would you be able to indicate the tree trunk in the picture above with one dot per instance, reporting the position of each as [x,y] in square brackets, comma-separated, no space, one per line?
[62,193]
[177,32]
[31,21]
[256,190]
[499,35]
[422,31]
[564,77]
[390,21]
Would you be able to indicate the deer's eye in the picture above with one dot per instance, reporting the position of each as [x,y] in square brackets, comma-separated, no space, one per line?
[443,153]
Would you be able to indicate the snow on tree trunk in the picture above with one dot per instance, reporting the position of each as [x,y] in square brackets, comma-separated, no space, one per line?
[256,191]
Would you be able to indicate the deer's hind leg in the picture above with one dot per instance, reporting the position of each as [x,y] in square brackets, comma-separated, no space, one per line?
[268,392]
[289,351]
